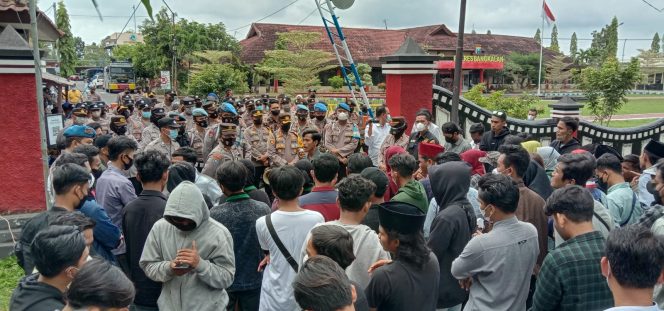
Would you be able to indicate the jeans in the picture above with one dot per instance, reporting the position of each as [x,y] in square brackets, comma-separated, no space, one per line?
[247,300]
[455,308]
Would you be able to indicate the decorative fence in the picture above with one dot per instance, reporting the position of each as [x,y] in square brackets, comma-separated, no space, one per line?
[625,140]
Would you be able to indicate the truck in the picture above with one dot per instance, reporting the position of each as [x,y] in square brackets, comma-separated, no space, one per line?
[119,76]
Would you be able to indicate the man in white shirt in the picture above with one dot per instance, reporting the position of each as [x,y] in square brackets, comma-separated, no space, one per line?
[375,133]
[432,127]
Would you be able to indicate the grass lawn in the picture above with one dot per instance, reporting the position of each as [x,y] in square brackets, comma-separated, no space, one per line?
[10,273]
[635,105]
[630,123]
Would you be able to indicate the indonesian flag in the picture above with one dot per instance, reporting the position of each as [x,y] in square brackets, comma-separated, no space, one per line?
[547,15]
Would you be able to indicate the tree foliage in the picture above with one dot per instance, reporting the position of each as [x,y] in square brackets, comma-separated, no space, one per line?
[79,46]
[654,46]
[94,55]
[523,68]
[606,87]
[294,63]
[217,78]
[604,44]
[554,40]
[488,32]
[558,70]
[515,106]
[336,82]
[573,46]
[66,43]
[538,36]
[649,61]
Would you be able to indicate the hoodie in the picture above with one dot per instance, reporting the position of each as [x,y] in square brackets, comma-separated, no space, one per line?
[32,295]
[413,192]
[491,141]
[203,288]
[452,227]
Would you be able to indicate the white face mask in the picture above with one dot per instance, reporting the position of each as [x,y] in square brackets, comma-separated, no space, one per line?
[419,127]
[531,117]
[91,181]
[342,116]
[96,114]
[495,171]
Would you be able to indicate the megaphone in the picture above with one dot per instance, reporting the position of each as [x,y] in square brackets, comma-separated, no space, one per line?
[343,4]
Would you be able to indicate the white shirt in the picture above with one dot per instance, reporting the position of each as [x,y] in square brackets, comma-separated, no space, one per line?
[434,129]
[376,139]
[292,229]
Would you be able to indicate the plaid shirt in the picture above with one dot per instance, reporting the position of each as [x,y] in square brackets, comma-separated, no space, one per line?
[571,278]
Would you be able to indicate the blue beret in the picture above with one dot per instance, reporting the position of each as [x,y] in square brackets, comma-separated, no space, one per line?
[344,106]
[199,112]
[302,107]
[320,107]
[228,107]
[213,95]
[80,131]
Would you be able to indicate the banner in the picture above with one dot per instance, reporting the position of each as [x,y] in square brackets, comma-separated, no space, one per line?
[166,80]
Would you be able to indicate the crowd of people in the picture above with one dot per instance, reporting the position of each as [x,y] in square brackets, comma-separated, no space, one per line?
[279,204]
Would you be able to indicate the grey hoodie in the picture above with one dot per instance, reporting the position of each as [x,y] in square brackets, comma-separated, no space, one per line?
[204,287]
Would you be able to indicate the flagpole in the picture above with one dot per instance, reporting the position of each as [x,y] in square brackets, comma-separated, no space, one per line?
[539,73]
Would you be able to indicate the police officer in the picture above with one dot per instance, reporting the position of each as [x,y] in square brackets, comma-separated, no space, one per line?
[79,116]
[341,137]
[257,139]
[398,126]
[303,122]
[152,132]
[212,109]
[168,132]
[249,108]
[285,146]
[183,137]
[140,120]
[227,114]
[320,121]
[186,108]
[96,116]
[226,149]
[272,120]
[197,133]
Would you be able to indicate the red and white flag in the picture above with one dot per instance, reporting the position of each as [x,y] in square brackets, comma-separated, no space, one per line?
[547,15]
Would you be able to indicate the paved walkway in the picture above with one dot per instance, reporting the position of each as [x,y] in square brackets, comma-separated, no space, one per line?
[630,116]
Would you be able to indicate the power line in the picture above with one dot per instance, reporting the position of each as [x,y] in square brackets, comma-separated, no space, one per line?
[304,19]
[105,16]
[132,15]
[268,16]
[652,6]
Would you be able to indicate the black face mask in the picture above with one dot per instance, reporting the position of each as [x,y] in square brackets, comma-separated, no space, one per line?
[213,115]
[232,120]
[203,123]
[258,121]
[302,117]
[275,112]
[188,227]
[320,118]
[181,130]
[285,127]
[365,109]
[228,142]
[396,132]
[121,130]
[653,190]
[602,184]
[127,166]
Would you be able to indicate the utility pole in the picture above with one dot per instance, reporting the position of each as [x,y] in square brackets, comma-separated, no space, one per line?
[173,49]
[34,36]
[458,62]
[385,22]
[133,7]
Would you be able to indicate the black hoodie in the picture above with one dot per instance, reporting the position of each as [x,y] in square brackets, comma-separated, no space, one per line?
[32,295]
[491,142]
[452,227]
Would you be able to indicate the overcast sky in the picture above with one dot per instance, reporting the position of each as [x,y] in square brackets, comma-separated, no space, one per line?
[509,17]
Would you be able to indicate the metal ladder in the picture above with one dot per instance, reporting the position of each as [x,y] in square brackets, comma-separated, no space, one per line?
[330,19]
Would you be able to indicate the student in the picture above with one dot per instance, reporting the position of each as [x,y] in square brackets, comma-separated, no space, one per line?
[322,285]
[410,190]
[59,252]
[381,182]
[410,282]
[100,286]
[622,202]
[633,264]
[323,196]
[281,234]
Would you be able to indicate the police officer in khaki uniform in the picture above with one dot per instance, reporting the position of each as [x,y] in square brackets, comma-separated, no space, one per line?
[139,120]
[118,127]
[95,116]
[183,137]
[226,150]
[341,137]
[197,133]
[227,114]
[152,132]
[168,132]
[272,119]
[285,146]
[302,122]
[186,109]
[79,116]
[257,138]
[397,137]
[320,120]
[249,108]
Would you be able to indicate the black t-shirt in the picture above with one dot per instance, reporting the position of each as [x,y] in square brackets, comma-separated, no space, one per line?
[401,286]
[371,219]
[361,303]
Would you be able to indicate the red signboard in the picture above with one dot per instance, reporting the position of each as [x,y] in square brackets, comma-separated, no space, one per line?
[449,65]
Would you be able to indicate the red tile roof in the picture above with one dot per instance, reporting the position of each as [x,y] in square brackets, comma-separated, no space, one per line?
[21,15]
[368,45]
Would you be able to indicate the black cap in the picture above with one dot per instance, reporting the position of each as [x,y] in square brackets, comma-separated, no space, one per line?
[159,111]
[187,100]
[499,114]
[378,178]
[655,148]
[167,122]
[401,217]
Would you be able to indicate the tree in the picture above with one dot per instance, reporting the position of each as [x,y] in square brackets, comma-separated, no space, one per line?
[606,87]
[94,55]
[538,36]
[473,32]
[294,63]
[66,43]
[558,70]
[488,32]
[523,68]
[655,43]
[217,78]
[573,46]
[79,45]
[364,70]
[648,61]
[515,106]
[604,44]
[336,82]
[554,40]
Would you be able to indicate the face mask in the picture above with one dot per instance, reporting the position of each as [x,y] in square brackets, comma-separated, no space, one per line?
[146,114]
[389,118]
[286,108]
[285,127]
[258,121]
[302,117]
[96,114]
[121,130]
[228,142]
[396,132]
[82,200]
[203,123]
[419,127]
[213,115]
[181,130]
[274,112]
[342,116]
[484,214]
[365,109]
[233,120]
[173,134]
[320,118]
[127,166]
[653,190]
[604,186]
[188,110]
[531,118]
[126,114]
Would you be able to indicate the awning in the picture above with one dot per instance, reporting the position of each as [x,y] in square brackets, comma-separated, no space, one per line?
[449,65]
[56,79]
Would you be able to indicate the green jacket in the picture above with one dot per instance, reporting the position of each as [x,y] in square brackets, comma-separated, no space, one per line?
[413,193]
